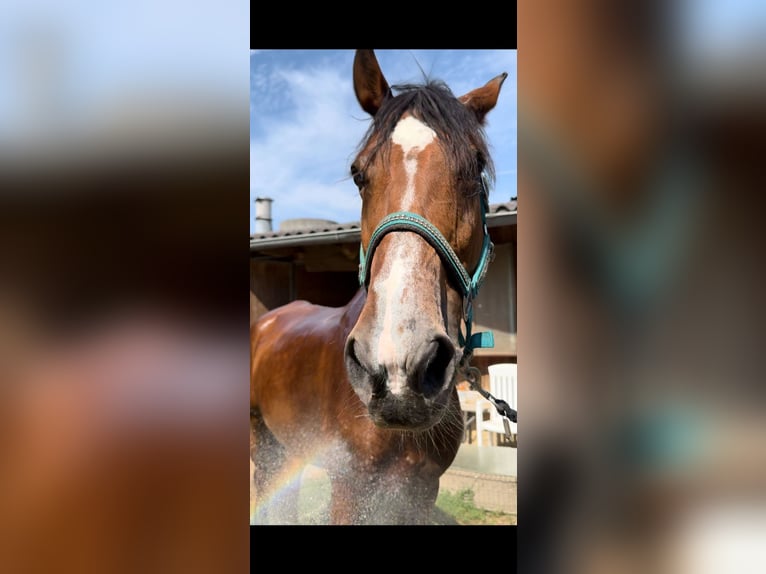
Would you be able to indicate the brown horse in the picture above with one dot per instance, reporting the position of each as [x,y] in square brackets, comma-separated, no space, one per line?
[367,391]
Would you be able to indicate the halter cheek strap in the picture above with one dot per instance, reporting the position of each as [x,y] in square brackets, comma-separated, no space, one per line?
[467,284]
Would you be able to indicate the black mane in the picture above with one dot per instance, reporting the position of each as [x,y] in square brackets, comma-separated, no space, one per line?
[459,132]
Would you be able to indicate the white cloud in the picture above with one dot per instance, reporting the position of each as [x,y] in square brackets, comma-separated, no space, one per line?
[302,160]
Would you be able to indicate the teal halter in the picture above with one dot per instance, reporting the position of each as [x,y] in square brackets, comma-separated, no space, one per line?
[468,284]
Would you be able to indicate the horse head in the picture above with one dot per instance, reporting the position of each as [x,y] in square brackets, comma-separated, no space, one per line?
[421,173]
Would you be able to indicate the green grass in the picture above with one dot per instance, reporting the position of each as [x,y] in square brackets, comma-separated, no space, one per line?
[460,507]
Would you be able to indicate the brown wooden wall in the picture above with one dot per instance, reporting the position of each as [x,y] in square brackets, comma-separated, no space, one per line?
[331,288]
[276,283]
[495,306]
[269,286]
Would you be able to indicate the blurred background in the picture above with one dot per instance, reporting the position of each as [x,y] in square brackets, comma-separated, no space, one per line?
[641,286]
[123,286]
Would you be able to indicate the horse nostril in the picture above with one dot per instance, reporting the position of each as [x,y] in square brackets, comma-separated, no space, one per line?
[350,350]
[439,357]
[361,372]
[379,382]
[354,362]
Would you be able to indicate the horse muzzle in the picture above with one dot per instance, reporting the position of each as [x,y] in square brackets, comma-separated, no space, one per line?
[406,390]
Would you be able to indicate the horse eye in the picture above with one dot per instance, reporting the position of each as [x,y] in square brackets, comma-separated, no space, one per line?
[358,177]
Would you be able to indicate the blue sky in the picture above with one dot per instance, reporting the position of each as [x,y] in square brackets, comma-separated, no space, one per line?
[305,123]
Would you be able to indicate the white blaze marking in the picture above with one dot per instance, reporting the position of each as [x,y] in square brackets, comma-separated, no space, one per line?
[413,136]
[389,290]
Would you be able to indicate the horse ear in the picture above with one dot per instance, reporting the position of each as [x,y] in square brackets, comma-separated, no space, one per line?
[482,100]
[369,84]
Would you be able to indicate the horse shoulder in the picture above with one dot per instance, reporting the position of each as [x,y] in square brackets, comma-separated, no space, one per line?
[292,343]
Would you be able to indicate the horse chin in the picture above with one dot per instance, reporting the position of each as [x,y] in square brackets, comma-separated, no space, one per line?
[413,400]
[406,412]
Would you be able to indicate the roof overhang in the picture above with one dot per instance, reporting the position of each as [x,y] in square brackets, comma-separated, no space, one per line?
[352,234]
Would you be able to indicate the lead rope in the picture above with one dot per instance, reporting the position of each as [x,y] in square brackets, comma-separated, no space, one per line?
[473,376]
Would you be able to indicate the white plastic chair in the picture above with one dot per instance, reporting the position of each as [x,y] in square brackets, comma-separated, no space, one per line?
[468,408]
[502,385]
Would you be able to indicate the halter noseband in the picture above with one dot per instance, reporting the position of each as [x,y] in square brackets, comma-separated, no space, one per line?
[468,284]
